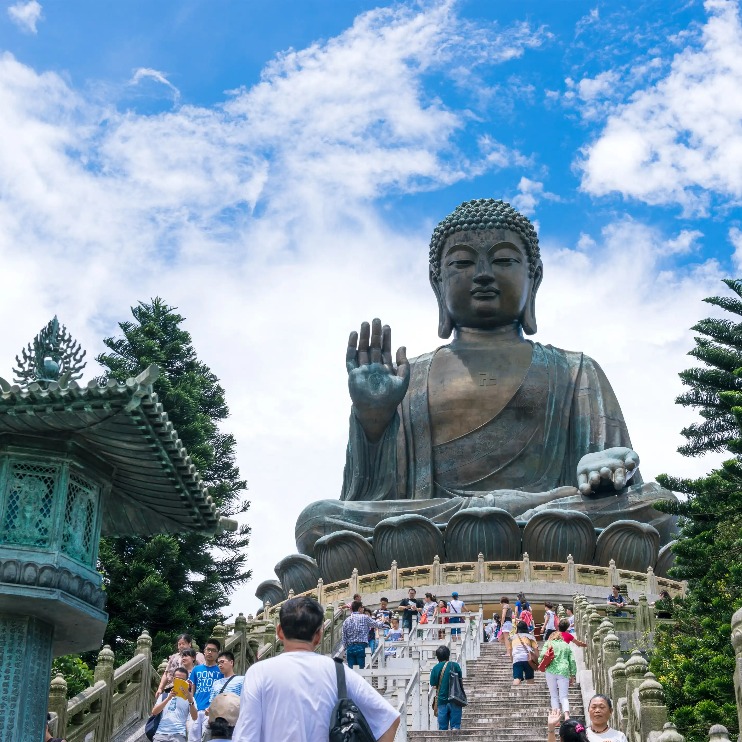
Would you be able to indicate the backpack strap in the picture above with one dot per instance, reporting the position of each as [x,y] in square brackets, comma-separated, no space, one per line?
[340,673]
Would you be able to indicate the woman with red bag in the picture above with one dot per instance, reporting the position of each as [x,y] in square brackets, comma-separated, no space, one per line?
[558,664]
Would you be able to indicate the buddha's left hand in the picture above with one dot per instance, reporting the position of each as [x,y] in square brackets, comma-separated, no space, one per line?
[612,467]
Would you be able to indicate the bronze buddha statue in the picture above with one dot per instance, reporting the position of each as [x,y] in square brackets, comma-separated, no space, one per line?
[491,443]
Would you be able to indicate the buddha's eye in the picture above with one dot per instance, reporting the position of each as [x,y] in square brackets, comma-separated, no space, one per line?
[505,261]
[461,262]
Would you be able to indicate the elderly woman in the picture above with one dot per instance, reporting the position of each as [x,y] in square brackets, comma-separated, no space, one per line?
[599,710]
[560,672]
[571,731]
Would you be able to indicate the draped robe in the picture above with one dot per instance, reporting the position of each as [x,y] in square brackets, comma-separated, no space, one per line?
[523,459]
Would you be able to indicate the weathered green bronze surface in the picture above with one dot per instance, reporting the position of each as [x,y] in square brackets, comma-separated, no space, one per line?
[490,420]
[76,460]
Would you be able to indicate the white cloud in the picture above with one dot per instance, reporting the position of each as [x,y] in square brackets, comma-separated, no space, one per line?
[25,15]
[147,73]
[685,242]
[735,237]
[679,140]
[256,218]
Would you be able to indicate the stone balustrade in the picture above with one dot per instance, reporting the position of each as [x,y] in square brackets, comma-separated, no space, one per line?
[482,578]
[618,668]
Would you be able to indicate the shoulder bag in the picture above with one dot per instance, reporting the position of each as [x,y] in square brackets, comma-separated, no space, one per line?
[150,726]
[437,689]
[532,661]
[456,694]
[348,723]
[547,660]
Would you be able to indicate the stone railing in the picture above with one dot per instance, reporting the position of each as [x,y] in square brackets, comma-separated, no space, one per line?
[122,697]
[497,575]
[616,666]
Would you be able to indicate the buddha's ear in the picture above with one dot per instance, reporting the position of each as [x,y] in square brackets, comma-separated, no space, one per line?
[528,320]
[445,323]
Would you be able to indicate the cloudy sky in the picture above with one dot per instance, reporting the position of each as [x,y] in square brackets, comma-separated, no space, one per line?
[275,170]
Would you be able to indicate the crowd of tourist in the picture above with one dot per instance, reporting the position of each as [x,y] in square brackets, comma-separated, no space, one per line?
[299,694]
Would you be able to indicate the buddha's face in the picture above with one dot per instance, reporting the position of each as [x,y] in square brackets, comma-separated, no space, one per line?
[484,278]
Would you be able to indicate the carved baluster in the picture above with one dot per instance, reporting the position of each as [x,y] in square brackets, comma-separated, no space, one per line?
[652,588]
[480,567]
[104,672]
[240,629]
[718,733]
[670,734]
[146,699]
[571,570]
[219,632]
[653,714]
[610,654]
[321,591]
[58,703]
[737,644]
[394,576]
[644,615]
[612,572]
[354,581]
[526,567]
[436,573]
[636,668]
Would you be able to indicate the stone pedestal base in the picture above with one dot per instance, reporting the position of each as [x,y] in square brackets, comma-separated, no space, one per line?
[25,667]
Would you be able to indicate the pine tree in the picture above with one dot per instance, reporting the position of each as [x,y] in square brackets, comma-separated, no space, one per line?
[171,584]
[721,351]
[694,659]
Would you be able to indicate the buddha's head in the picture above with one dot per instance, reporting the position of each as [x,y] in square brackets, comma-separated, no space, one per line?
[485,268]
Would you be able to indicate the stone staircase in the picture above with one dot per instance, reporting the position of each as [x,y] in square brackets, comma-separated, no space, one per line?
[499,711]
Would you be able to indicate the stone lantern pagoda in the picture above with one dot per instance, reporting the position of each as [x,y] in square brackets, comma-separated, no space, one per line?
[76,461]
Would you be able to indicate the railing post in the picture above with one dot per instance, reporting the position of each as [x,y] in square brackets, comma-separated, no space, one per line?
[644,615]
[718,733]
[670,734]
[653,715]
[611,651]
[571,570]
[144,646]
[526,567]
[436,570]
[612,572]
[652,588]
[393,576]
[321,591]
[240,630]
[58,703]
[354,581]
[480,567]
[104,672]
[219,632]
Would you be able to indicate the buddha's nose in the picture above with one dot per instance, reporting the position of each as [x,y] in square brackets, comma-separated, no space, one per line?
[484,272]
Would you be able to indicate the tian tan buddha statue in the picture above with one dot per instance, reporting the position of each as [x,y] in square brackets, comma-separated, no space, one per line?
[491,443]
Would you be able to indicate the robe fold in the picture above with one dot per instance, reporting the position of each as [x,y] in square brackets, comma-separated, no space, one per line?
[563,409]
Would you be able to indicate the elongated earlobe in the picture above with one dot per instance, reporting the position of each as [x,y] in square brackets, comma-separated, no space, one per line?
[528,320]
[445,323]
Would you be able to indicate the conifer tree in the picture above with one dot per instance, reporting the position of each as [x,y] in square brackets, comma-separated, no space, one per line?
[694,659]
[720,349]
[174,584]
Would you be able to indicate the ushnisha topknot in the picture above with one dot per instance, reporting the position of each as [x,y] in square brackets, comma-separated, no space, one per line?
[483,213]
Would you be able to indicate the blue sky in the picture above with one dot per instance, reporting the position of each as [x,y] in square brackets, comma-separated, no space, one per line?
[275,170]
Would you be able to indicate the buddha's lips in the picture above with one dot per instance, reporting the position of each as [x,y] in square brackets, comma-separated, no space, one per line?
[484,293]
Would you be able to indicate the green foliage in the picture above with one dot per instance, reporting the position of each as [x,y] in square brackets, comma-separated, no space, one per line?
[77,674]
[721,352]
[694,659]
[173,584]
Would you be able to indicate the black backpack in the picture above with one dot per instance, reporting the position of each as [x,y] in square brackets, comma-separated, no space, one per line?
[347,722]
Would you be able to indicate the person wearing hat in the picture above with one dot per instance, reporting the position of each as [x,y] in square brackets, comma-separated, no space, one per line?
[455,606]
[223,714]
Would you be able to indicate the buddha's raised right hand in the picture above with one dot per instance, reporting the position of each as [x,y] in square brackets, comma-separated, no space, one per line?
[376,386]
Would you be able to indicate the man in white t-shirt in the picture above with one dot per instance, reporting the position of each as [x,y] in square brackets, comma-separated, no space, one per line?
[291,697]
